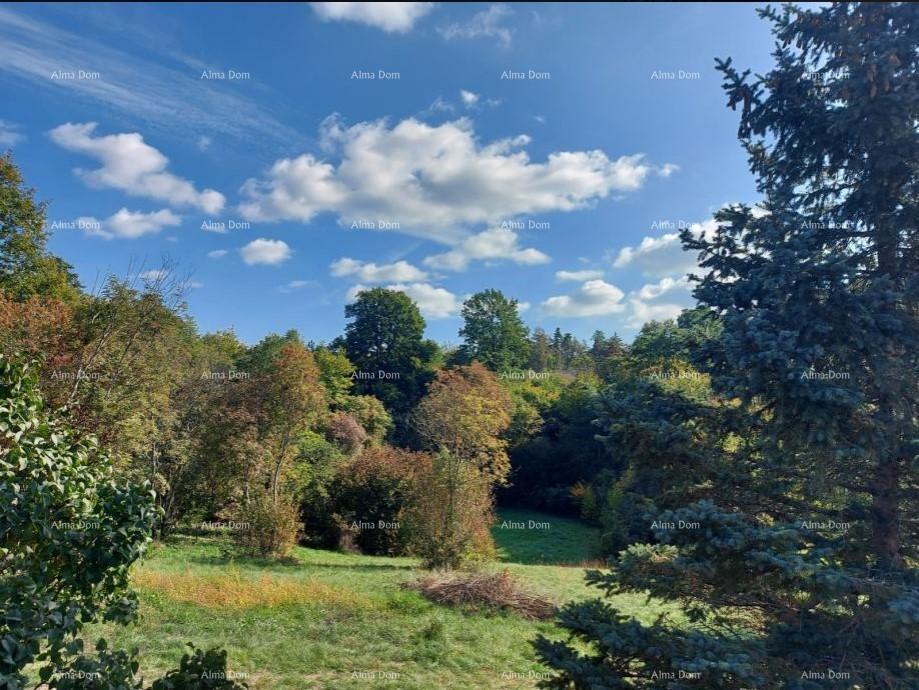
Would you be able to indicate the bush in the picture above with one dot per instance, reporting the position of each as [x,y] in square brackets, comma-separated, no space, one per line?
[68,535]
[270,525]
[449,518]
[372,492]
[200,670]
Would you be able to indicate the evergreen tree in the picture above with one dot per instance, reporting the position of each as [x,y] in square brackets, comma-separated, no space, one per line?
[811,585]
[540,351]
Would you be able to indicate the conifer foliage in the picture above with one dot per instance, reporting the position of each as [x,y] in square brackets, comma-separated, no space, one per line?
[812,585]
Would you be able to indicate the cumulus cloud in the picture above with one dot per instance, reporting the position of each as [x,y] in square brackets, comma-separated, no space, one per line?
[128,224]
[494,244]
[433,302]
[487,23]
[217,254]
[664,255]
[391,17]
[9,134]
[262,251]
[658,301]
[133,166]
[366,272]
[578,276]
[593,298]
[435,181]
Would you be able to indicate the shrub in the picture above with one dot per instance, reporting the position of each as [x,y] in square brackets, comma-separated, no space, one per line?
[449,517]
[270,525]
[68,534]
[371,494]
[200,670]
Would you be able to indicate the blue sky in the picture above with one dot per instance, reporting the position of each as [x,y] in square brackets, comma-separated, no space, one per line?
[563,188]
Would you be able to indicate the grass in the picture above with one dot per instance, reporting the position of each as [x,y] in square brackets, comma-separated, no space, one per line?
[526,536]
[340,621]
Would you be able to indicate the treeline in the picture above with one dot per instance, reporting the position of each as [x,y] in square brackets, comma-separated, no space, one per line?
[350,444]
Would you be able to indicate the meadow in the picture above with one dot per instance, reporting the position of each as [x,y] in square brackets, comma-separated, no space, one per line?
[323,619]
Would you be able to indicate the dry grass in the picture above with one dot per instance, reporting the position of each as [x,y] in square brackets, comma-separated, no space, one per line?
[477,590]
[230,589]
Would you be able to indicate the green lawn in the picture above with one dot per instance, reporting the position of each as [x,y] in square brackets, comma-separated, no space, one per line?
[334,620]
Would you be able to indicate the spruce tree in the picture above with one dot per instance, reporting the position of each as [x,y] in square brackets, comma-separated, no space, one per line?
[800,576]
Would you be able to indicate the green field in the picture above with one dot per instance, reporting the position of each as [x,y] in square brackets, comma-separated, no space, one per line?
[334,620]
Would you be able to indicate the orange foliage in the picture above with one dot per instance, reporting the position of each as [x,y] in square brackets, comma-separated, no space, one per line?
[465,412]
[230,589]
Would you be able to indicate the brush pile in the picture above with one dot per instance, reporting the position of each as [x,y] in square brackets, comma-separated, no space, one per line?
[496,591]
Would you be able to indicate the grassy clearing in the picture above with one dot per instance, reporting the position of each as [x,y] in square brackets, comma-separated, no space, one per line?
[340,621]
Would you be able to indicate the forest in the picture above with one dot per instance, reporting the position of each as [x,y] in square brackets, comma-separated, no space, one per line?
[743,477]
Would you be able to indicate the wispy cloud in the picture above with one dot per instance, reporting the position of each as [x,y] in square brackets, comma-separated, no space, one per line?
[487,23]
[162,92]
[10,134]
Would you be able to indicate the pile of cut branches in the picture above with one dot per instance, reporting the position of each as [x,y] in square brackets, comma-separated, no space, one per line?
[497,591]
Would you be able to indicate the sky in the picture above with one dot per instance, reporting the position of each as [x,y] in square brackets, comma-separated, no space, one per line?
[285,156]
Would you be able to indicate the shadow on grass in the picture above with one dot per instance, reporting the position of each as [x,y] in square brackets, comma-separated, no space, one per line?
[532,538]
[267,563]
[219,551]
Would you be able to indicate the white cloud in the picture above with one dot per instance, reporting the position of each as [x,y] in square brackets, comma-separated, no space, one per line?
[433,302]
[434,181]
[366,272]
[217,254]
[388,16]
[664,255]
[484,24]
[659,301]
[9,134]
[193,284]
[579,276]
[469,98]
[667,169]
[133,166]
[262,251]
[439,106]
[204,143]
[128,224]
[494,244]
[593,298]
